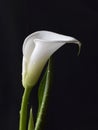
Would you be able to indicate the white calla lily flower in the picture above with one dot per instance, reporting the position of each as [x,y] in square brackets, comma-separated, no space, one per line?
[37,49]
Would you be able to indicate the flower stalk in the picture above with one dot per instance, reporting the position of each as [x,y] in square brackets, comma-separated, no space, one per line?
[24,109]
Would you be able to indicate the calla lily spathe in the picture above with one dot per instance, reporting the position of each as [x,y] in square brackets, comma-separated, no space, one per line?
[37,49]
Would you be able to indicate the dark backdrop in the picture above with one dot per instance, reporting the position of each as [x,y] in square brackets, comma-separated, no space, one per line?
[73,103]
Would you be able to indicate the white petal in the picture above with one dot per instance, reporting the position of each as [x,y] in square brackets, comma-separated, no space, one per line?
[37,49]
[24,69]
[28,47]
[50,36]
[44,36]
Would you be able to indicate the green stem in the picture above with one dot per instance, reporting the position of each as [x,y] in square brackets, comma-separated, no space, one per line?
[23,111]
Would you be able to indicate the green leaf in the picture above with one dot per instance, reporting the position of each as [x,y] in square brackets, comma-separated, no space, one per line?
[41,90]
[43,94]
[31,122]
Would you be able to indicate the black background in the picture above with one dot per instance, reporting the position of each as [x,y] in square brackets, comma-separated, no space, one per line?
[73,103]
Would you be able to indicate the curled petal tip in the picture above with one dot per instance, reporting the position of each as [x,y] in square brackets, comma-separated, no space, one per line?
[79,46]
